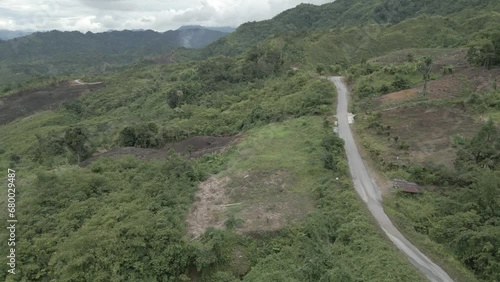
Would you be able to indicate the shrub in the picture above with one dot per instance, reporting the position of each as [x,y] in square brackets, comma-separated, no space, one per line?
[400,83]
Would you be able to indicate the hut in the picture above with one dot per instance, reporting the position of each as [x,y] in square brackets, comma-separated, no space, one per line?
[407,187]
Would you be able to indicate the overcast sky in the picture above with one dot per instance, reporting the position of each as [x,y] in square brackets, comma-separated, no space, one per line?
[161,15]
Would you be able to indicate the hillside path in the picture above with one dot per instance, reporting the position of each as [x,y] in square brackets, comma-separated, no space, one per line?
[371,195]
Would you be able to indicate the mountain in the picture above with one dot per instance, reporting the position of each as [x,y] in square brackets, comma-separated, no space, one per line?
[341,14]
[57,52]
[10,34]
[154,199]
[227,29]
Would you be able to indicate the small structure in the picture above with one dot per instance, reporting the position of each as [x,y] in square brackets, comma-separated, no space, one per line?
[350,118]
[407,187]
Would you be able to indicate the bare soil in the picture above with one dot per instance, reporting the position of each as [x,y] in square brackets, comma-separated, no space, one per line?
[267,202]
[399,96]
[26,103]
[428,130]
[208,210]
[463,82]
[442,57]
[192,147]
[261,200]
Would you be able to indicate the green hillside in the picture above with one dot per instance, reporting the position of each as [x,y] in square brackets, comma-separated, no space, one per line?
[127,181]
[342,14]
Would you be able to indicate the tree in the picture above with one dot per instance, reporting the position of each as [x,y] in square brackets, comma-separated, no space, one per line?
[488,196]
[482,151]
[76,138]
[425,67]
[127,136]
[485,51]
[400,83]
[320,69]
[173,99]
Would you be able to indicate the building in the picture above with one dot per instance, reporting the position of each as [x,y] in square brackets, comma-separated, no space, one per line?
[407,187]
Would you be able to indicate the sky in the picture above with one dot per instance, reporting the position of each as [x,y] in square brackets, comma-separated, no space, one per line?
[160,15]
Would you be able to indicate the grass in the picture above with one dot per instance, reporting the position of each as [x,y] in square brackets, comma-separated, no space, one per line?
[284,146]
[274,174]
[398,208]
[494,115]
[19,135]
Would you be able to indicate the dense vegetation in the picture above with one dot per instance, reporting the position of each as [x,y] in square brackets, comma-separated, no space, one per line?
[459,218]
[347,14]
[143,208]
[125,219]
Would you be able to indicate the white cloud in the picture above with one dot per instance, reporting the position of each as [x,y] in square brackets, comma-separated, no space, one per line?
[98,15]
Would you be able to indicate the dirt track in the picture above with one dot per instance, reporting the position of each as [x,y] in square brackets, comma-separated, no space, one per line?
[371,195]
[28,102]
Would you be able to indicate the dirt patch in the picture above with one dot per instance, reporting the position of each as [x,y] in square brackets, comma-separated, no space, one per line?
[192,147]
[428,130]
[463,82]
[442,57]
[398,97]
[267,201]
[28,102]
[273,215]
[257,201]
[201,145]
[208,210]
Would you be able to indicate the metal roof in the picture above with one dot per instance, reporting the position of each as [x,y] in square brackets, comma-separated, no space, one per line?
[406,186]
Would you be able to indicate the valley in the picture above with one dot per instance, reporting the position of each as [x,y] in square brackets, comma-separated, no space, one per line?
[265,153]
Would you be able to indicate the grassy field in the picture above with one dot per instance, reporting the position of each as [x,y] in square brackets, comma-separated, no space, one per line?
[275,174]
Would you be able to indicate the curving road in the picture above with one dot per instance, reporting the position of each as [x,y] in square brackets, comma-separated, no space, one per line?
[371,195]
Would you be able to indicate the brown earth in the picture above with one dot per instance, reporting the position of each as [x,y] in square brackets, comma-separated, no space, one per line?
[442,57]
[463,82]
[192,147]
[261,200]
[28,102]
[428,130]
[208,210]
[429,127]
[399,96]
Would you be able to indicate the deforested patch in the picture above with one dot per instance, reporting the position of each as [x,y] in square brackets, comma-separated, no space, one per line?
[208,209]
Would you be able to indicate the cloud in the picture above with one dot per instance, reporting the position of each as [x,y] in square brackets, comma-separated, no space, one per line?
[161,15]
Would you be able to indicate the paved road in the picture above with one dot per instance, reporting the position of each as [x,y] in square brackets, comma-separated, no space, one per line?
[371,195]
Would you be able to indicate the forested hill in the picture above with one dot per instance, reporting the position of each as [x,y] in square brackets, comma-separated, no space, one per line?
[342,13]
[10,34]
[58,43]
[119,180]
[56,52]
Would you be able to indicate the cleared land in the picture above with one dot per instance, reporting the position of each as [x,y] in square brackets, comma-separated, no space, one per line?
[192,147]
[26,103]
[266,187]
[404,130]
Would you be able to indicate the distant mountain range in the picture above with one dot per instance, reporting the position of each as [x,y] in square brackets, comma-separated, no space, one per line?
[226,29]
[58,52]
[10,34]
